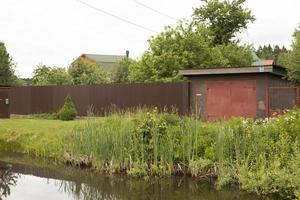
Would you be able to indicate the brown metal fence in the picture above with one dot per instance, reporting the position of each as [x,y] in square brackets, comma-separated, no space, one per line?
[48,99]
[281,99]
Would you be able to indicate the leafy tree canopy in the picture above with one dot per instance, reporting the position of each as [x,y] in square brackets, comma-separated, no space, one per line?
[120,74]
[223,18]
[86,72]
[44,75]
[291,59]
[268,52]
[7,73]
[185,46]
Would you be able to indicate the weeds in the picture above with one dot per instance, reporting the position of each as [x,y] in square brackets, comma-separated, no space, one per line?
[259,156]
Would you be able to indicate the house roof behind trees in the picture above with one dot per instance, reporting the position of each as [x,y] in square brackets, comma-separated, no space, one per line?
[108,62]
[103,58]
[263,62]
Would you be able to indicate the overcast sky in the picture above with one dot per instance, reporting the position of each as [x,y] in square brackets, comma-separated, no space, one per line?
[54,32]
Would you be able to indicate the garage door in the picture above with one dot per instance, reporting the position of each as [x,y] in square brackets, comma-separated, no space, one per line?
[231,99]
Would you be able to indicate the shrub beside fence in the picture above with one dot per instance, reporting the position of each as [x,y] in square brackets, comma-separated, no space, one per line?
[48,99]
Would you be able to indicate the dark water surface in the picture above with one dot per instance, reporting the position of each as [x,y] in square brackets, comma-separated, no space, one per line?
[38,180]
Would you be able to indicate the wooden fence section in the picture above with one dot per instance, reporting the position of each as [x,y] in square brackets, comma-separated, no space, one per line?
[48,99]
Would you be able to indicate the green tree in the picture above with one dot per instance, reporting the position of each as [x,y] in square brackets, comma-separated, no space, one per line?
[68,111]
[169,51]
[291,60]
[44,75]
[7,74]
[120,74]
[206,41]
[235,55]
[18,81]
[267,52]
[223,18]
[182,47]
[86,72]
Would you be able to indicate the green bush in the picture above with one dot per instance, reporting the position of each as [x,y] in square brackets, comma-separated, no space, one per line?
[261,156]
[150,130]
[68,110]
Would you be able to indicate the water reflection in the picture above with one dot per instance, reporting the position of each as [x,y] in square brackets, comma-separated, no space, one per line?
[117,188]
[69,184]
[84,191]
[7,179]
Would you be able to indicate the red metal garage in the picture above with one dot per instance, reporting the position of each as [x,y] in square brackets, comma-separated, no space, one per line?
[254,91]
[225,99]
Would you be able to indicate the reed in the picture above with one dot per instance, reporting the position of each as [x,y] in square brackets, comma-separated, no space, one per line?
[260,156]
[146,142]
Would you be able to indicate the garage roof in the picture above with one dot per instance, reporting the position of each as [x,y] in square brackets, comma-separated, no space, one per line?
[273,69]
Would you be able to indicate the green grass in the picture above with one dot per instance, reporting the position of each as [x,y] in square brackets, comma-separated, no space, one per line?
[259,156]
[35,136]
[37,125]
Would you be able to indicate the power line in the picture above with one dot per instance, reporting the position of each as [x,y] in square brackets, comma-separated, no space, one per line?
[154,10]
[115,16]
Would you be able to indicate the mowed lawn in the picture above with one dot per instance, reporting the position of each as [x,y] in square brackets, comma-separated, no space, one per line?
[41,126]
[35,136]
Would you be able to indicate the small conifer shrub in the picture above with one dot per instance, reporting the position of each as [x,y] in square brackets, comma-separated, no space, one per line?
[68,110]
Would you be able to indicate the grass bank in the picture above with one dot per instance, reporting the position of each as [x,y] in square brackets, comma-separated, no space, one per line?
[258,156]
[38,137]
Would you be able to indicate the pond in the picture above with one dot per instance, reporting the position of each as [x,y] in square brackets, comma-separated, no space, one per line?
[27,178]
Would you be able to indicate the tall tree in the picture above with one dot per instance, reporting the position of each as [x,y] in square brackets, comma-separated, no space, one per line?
[7,76]
[120,74]
[86,72]
[44,75]
[171,50]
[185,46]
[268,52]
[206,41]
[223,18]
[292,59]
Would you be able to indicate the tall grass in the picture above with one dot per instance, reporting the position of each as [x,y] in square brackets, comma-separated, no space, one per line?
[144,143]
[260,156]
[106,141]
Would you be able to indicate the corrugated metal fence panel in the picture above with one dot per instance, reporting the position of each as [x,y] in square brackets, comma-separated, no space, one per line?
[127,96]
[20,100]
[4,107]
[102,97]
[42,99]
[79,95]
[97,98]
